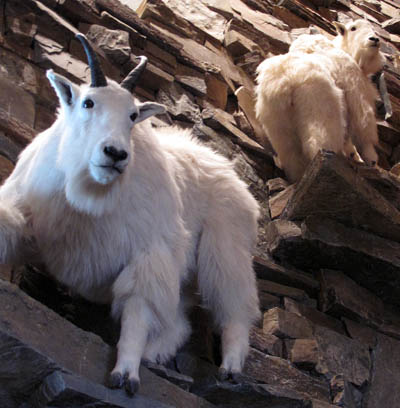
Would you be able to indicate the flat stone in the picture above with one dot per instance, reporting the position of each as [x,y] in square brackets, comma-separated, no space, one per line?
[341,355]
[17,102]
[181,380]
[276,185]
[268,301]
[384,391]
[279,373]
[266,343]
[6,273]
[319,243]
[110,21]
[236,43]
[197,86]
[267,269]
[114,43]
[361,333]
[203,19]
[313,315]
[331,187]
[344,393]
[218,118]
[246,99]
[341,296]
[16,129]
[278,202]
[302,352]
[66,390]
[180,104]
[283,324]
[392,25]
[217,91]
[6,168]
[9,148]
[248,393]
[50,54]
[282,290]
[40,342]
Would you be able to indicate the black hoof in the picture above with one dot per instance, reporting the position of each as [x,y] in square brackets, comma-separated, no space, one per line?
[222,374]
[238,378]
[116,380]
[132,386]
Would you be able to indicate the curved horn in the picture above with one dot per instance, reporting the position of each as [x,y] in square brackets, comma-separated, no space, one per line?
[129,82]
[98,78]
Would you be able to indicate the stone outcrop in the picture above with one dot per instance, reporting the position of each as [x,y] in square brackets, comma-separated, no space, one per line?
[327,260]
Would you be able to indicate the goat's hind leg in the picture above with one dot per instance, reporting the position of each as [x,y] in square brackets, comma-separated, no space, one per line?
[164,345]
[228,288]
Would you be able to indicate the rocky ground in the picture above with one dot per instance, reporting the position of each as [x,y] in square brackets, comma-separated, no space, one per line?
[327,260]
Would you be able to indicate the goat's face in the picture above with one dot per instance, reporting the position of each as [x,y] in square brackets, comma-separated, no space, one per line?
[96,144]
[359,39]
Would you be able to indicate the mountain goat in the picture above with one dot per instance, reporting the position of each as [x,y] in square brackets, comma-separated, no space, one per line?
[319,96]
[123,213]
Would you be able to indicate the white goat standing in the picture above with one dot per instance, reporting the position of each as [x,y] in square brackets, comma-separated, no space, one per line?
[124,213]
[319,96]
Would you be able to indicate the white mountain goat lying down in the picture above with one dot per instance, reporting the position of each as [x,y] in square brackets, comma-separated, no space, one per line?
[126,214]
[319,96]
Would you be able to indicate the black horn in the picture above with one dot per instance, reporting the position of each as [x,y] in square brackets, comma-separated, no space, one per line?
[131,79]
[98,78]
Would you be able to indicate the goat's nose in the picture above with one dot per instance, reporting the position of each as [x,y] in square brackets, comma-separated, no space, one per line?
[115,154]
[374,39]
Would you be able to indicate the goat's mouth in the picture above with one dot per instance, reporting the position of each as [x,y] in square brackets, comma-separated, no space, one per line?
[112,167]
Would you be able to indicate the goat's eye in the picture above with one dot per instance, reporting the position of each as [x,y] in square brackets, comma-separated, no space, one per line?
[353,28]
[88,104]
[133,116]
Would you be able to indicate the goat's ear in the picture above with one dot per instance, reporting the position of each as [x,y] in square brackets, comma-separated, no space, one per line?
[148,109]
[340,28]
[66,91]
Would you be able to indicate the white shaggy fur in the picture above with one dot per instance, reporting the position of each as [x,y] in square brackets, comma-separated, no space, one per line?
[319,96]
[134,233]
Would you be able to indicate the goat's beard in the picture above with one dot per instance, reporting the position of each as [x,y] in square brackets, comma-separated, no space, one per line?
[86,195]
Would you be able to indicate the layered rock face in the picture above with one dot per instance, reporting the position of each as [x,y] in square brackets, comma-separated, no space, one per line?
[327,258]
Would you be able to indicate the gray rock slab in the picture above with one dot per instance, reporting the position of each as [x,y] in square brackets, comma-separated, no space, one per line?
[267,343]
[384,391]
[341,296]
[36,341]
[267,268]
[331,187]
[313,315]
[361,333]
[319,243]
[65,390]
[283,324]
[340,355]
[282,375]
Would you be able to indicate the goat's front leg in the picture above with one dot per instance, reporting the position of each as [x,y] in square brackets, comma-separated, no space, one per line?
[135,326]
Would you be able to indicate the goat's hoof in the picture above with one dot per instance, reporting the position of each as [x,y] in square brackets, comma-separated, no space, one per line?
[116,380]
[223,374]
[132,386]
[238,378]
